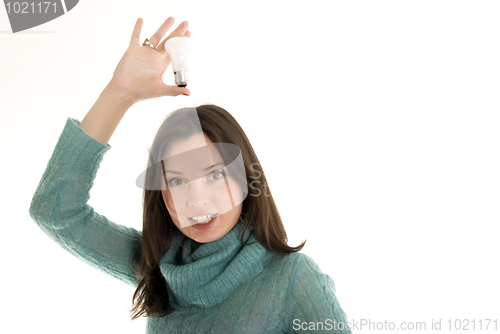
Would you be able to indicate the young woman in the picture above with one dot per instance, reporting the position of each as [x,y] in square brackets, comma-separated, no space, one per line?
[212,255]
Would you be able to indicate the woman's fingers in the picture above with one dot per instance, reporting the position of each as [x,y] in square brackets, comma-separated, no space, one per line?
[136,34]
[158,35]
[179,31]
[187,33]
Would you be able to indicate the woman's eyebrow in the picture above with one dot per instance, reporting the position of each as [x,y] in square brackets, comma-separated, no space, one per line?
[169,171]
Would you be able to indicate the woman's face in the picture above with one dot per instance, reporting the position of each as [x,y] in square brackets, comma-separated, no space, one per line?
[189,195]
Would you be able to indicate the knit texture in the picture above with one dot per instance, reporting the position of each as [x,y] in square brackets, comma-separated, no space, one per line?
[217,287]
[206,274]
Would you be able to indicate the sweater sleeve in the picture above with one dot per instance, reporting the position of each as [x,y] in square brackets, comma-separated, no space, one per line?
[313,305]
[59,207]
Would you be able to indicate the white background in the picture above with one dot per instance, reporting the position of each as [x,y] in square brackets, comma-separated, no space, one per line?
[376,122]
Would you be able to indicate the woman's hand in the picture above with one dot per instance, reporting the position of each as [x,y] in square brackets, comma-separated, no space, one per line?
[138,75]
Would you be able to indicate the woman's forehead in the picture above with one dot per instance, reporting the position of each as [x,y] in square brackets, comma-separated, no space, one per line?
[198,142]
[189,156]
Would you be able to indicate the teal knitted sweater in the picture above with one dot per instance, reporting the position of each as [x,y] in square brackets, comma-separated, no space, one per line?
[216,287]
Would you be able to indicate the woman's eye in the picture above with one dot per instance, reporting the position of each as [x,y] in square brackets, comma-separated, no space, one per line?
[218,174]
[174,182]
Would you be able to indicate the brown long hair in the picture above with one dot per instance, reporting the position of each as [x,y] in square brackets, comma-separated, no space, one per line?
[151,297]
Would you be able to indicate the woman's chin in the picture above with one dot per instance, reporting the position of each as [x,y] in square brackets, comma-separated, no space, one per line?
[210,235]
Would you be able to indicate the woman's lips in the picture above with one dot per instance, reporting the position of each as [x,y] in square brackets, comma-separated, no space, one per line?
[205,226]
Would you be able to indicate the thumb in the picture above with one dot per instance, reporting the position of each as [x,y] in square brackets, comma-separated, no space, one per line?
[175,90]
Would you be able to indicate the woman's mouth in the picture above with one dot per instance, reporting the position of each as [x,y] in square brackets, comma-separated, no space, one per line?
[203,222]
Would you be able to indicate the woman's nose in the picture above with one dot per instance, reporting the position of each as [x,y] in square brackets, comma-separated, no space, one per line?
[198,194]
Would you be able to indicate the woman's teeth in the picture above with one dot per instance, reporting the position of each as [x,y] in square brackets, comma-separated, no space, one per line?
[203,219]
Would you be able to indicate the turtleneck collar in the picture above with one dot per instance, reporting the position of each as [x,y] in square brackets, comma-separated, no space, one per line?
[204,274]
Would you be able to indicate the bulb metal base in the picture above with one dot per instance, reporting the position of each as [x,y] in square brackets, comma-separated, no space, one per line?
[181,78]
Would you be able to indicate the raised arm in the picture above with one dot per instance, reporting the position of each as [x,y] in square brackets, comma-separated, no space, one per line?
[59,205]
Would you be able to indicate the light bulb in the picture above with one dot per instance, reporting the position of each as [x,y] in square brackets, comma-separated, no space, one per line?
[178,50]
